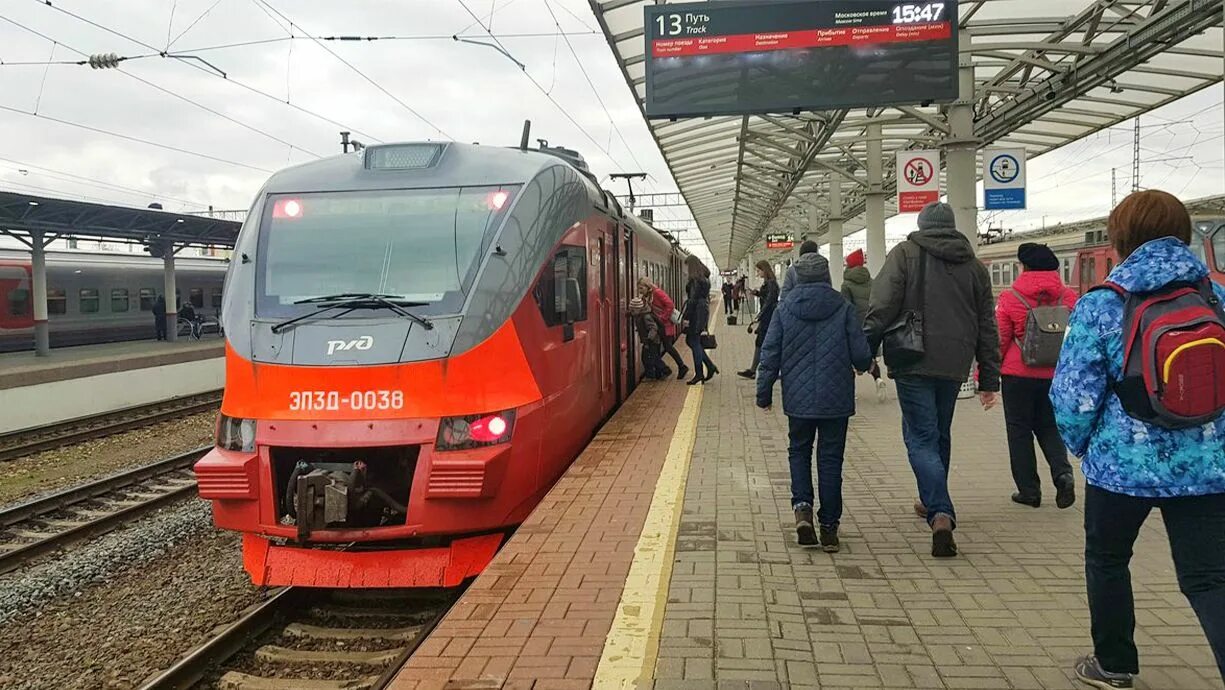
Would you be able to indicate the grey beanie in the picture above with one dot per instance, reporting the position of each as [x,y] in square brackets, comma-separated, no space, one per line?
[812,268]
[937,214]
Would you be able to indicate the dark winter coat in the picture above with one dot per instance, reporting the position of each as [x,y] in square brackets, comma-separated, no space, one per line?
[958,309]
[768,294]
[814,341]
[857,289]
[649,328]
[697,306]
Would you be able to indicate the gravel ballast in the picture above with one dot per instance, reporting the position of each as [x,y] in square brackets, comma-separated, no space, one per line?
[26,478]
[109,614]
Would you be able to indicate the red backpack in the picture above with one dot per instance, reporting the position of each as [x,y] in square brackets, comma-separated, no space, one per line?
[1173,355]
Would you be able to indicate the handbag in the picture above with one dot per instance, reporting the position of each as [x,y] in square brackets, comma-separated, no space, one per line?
[709,342]
[903,341]
[676,317]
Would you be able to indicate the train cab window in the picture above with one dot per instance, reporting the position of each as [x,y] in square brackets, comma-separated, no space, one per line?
[19,302]
[216,298]
[119,300]
[90,302]
[196,296]
[57,301]
[147,297]
[561,292]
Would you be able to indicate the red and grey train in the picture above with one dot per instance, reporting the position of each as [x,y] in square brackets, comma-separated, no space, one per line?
[420,339]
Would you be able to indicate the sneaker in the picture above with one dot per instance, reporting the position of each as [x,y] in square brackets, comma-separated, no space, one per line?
[880,390]
[829,539]
[1090,671]
[803,527]
[943,545]
[1031,501]
[1065,491]
[919,509]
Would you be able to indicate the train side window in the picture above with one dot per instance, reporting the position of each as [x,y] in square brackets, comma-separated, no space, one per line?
[216,298]
[1218,248]
[57,301]
[147,297]
[561,292]
[995,273]
[1067,271]
[119,300]
[90,301]
[196,296]
[19,302]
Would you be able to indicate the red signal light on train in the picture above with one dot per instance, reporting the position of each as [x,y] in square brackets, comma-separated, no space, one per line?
[488,429]
[498,199]
[287,208]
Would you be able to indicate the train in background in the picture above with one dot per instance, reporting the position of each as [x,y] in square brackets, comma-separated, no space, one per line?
[1086,257]
[97,297]
[420,339]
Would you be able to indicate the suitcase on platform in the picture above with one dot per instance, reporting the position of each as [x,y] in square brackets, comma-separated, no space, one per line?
[731,319]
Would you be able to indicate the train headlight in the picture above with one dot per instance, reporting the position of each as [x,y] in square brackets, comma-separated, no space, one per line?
[475,431]
[235,434]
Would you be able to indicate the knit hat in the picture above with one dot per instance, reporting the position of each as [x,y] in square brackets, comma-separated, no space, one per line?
[809,247]
[937,215]
[812,268]
[636,304]
[1037,257]
[854,259]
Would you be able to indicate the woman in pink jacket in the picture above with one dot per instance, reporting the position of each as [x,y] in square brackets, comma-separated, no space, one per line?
[1026,389]
[663,306]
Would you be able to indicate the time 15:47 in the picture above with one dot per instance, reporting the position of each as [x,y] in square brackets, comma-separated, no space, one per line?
[913,14]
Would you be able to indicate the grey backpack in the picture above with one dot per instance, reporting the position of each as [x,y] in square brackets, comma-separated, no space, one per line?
[1045,325]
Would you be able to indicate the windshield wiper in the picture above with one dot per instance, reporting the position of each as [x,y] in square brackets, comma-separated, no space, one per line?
[353,301]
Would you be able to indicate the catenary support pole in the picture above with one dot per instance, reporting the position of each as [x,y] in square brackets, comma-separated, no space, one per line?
[961,148]
[172,306]
[837,257]
[875,202]
[38,265]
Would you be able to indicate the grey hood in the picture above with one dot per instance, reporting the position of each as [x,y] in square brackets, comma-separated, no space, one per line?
[945,243]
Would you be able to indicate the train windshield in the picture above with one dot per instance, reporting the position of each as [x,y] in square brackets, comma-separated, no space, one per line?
[420,245]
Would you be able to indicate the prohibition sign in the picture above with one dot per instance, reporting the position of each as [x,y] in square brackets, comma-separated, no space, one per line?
[918,172]
[1005,168]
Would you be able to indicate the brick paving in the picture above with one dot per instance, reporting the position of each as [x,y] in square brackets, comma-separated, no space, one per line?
[750,609]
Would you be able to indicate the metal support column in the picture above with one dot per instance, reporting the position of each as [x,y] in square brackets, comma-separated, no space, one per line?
[875,201]
[837,257]
[38,265]
[172,307]
[961,148]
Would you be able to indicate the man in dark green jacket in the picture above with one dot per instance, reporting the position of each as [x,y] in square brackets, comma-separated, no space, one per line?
[857,289]
[959,328]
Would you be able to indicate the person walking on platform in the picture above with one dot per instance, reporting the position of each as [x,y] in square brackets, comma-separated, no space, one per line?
[857,289]
[806,247]
[663,307]
[728,300]
[1146,446]
[768,294]
[696,319]
[1032,316]
[159,317]
[814,342]
[933,310]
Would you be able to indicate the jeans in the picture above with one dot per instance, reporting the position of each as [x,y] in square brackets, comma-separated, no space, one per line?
[700,358]
[831,446]
[1028,414]
[927,421]
[1195,526]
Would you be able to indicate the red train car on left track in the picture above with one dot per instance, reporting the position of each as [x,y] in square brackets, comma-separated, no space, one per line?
[420,339]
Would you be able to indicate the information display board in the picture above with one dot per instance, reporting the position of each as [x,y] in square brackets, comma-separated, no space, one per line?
[744,57]
[779,241]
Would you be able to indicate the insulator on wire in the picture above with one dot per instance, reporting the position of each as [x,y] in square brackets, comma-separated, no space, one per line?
[104,61]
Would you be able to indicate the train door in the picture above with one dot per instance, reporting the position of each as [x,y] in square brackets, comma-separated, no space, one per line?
[606,326]
[16,297]
[628,270]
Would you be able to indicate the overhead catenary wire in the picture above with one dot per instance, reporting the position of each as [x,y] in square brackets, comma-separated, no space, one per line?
[74,178]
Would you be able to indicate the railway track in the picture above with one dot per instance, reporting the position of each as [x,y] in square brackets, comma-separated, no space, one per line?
[29,441]
[307,639]
[47,524]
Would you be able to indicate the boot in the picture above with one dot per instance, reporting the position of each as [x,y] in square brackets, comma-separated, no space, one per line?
[943,545]
[1065,491]
[682,373]
[747,374]
[1031,501]
[711,370]
[803,526]
[829,539]
[919,509]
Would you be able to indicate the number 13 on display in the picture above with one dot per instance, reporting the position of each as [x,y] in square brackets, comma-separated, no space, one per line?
[913,14]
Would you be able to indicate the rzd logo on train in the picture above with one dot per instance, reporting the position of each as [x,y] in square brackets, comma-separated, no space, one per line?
[363,343]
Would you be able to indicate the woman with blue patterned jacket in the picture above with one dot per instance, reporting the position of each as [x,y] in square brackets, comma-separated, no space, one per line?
[1130,466]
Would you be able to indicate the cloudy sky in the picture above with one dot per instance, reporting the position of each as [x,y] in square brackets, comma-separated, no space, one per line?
[189,138]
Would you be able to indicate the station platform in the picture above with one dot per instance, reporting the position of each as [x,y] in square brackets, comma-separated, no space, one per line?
[76,382]
[666,558]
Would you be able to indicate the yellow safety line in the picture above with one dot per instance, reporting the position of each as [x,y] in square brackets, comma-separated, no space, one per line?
[633,642]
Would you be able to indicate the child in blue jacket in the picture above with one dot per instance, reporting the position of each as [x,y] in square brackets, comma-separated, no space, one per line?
[814,342]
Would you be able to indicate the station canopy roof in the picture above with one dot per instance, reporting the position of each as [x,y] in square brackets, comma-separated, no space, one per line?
[20,214]
[1046,72]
